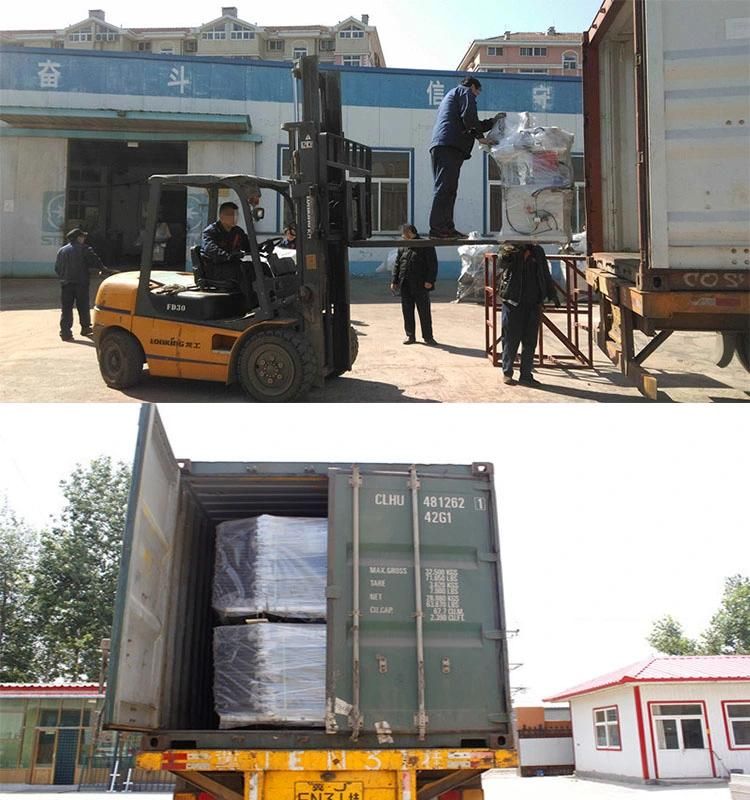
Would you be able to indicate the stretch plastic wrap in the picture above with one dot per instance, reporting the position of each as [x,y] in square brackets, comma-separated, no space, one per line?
[536,173]
[470,287]
[268,673]
[271,565]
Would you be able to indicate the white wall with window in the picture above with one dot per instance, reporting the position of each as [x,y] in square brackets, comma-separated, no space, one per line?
[686,730]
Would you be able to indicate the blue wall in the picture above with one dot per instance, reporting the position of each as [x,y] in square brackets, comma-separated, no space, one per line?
[242,79]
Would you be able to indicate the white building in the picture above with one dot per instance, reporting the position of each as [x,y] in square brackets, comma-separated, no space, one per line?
[676,717]
[81,130]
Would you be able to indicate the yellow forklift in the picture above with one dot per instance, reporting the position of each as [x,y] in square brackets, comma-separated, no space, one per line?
[283,325]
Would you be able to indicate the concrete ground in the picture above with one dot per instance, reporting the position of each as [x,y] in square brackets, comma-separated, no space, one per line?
[36,366]
[499,787]
[496,787]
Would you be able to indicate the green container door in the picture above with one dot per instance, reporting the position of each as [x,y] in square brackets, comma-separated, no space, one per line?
[415,669]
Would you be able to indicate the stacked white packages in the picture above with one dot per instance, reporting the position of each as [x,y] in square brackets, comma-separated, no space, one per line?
[269,674]
[273,566]
[471,280]
[536,172]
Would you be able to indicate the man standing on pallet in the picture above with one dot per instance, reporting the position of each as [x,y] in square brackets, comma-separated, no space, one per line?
[456,128]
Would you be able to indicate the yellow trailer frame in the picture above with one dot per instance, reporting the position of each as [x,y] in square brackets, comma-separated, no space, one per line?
[328,774]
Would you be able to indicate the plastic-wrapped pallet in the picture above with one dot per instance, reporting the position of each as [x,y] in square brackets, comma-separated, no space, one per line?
[269,673]
[271,565]
[536,174]
[471,280]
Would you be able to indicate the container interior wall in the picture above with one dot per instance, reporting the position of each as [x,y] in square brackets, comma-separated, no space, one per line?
[204,503]
[619,145]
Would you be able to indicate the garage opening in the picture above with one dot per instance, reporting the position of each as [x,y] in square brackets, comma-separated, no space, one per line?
[107,195]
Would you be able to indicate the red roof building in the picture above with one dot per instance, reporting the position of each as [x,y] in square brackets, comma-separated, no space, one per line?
[664,718]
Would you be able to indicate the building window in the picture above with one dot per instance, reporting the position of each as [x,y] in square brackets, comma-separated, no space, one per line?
[570,61]
[533,71]
[495,192]
[276,45]
[737,718]
[80,36]
[391,187]
[535,52]
[352,61]
[494,51]
[578,210]
[327,45]
[391,180]
[352,32]
[299,52]
[241,32]
[190,46]
[607,728]
[167,50]
[679,726]
[107,37]
[491,69]
[214,33]
[144,46]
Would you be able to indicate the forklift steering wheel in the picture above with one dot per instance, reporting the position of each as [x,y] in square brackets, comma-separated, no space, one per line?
[269,245]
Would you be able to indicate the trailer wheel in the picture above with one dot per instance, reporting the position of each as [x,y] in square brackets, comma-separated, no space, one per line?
[120,359]
[743,349]
[353,344]
[276,366]
[725,345]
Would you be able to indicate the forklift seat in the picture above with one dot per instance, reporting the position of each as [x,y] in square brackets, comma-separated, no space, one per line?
[205,277]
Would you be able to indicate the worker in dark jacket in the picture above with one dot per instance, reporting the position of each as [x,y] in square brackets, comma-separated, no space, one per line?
[525,284]
[456,128]
[414,273]
[224,240]
[73,265]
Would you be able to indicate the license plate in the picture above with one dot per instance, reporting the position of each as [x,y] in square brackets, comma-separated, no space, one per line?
[330,790]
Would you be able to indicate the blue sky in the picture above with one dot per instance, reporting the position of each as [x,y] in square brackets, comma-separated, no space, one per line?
[418,35]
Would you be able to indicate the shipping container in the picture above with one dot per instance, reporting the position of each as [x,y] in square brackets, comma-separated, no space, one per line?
[667,153]
[416,645]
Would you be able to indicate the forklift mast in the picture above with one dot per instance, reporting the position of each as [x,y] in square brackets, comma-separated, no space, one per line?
[330,211]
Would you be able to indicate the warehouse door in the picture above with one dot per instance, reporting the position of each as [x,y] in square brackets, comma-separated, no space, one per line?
[107,193]
[682,744]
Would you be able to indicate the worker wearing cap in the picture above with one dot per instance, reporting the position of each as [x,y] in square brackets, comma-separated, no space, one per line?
[73,265]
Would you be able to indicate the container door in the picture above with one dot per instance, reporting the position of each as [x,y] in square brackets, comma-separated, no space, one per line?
[416,646]
[134,689]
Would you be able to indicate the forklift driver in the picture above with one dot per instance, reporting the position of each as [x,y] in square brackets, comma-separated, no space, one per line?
[223,244]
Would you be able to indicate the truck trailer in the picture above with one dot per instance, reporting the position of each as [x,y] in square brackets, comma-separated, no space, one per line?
[666,89]
[415,699]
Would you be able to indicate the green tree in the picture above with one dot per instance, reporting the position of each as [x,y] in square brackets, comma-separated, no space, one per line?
[18,544]
[668,637]
[729,629]
[76,575]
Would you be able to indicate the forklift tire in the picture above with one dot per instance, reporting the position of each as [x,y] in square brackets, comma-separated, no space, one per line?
[120,359]
[276,366]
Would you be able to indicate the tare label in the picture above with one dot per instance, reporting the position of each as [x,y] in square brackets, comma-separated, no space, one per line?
[443,595]
[379,582]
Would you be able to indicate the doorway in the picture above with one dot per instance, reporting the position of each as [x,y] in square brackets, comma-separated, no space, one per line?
[107,193]
[681,740]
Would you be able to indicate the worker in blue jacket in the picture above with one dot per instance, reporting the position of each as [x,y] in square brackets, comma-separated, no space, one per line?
[456,128]
[73,266]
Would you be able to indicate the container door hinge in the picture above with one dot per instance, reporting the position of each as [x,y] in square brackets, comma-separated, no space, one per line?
[382,664]
[639,59]
[446,665]
[641,157]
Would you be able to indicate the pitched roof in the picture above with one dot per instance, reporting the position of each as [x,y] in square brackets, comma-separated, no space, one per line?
[529,36]
[74,688]
[663,669]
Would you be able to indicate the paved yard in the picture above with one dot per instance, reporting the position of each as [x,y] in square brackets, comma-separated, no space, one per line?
[35,366]
[500,787]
